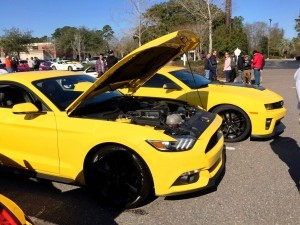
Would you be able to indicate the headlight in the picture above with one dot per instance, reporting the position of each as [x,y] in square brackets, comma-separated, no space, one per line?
[275,105]
[181,144]
[269,106]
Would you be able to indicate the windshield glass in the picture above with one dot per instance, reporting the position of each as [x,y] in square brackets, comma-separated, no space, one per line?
[99,104]
[194,82]
[62,90]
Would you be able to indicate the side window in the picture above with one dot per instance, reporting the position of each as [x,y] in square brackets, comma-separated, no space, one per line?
[11,94]
[157,81]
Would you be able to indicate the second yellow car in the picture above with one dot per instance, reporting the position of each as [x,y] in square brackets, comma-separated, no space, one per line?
[247,110]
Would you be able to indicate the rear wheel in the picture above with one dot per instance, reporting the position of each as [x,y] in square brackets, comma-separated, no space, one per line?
[70,68]
[53,67]
[236,124]
[119,177]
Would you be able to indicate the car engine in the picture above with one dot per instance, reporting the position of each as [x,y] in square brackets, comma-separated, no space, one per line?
[174,117]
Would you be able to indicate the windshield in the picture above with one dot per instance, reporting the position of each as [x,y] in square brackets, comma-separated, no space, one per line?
[99,104]
[194,80]
[62,90]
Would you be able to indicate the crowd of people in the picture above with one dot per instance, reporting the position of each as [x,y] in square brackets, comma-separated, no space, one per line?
[237,69]
[12,64]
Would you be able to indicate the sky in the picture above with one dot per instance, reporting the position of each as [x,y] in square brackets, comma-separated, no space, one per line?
[43,17]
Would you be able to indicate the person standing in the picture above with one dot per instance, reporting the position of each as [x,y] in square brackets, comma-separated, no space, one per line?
[8,64]
[233,68]
[30,63]
[240,67]
[207,66]
[227,66]
[247,70]
[14,64]
[111,59]
[257,65]
[214,64]
[297,79]
[36,64]
[100,66]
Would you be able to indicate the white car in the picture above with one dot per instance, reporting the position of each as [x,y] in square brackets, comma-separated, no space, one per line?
[91,60]
[67,65]
[91,71]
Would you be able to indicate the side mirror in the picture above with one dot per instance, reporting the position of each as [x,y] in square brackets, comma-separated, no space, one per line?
[25,108]
[171,86]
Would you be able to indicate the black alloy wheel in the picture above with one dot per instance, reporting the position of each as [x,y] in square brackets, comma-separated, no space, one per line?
[119,177]
[236,124]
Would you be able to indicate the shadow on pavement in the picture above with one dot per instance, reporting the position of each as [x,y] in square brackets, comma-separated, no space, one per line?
[288,151]
[40,199]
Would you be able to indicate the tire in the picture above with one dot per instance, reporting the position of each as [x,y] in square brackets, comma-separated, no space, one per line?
[236,124]
[53,67]
[70,68]
[119,177]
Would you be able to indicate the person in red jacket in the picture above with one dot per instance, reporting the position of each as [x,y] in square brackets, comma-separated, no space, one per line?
[8,64]
[257,65]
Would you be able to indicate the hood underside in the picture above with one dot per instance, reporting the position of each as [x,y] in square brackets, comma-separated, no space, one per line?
[141,64]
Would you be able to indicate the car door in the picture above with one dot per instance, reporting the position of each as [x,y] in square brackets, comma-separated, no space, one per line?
[27,140]
[154,87]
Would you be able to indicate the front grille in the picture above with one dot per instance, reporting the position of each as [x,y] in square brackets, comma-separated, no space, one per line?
[213,141]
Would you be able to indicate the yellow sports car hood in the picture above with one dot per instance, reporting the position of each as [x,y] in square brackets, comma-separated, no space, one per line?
[139,65]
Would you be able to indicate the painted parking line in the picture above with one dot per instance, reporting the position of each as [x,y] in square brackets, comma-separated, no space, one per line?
[41,222]
[230,148]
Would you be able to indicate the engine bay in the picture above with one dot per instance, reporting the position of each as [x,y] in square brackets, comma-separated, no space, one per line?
[174,117]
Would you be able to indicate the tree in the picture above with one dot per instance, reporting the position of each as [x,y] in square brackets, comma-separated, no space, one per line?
[255,33]
[165,18]
[226,40]
[206,10]
[78,43]
[228,13]
[14,41]
[297,27]
[63,38]
[286,47]
[138,18]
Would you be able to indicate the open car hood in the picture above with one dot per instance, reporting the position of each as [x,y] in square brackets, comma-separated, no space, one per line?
[140,65]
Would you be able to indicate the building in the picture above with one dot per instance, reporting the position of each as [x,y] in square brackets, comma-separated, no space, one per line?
[44,50]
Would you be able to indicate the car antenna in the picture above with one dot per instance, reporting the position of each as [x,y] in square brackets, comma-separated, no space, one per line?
[189,64]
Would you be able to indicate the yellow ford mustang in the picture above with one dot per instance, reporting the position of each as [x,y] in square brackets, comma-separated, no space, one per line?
[122,146]
[246,110]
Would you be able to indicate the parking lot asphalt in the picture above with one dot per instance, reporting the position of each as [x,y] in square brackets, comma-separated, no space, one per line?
[259,185]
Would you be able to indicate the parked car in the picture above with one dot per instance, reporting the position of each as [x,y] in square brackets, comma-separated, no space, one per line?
[91,60]
[123,147]
[245,109]
[23,66]
[67,65]
[11,213]
[91,71]
[46,65]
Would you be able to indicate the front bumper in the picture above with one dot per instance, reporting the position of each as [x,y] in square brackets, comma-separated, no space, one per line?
[258,122]
[205,161]
[278,129]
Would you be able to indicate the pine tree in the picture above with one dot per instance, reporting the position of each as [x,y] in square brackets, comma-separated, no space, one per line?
[297,27]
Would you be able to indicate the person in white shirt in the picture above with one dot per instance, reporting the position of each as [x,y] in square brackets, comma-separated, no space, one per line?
[297,79]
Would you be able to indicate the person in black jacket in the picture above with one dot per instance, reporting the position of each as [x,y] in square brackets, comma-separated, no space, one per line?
[240,67]
[207,66]
[111,59]
[247,70]
[214,63]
